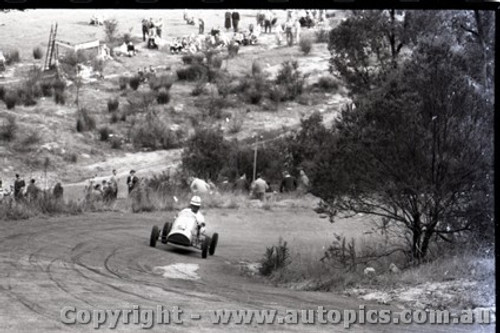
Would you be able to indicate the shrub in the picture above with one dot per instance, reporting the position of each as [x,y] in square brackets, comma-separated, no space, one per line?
[46,88]
[113,104]
[127,38]
[253,96]
[256,68]
[37,53]
[275,258]
[198,89]
[116,143]
[114,117]
[71,157]
[163,81]
[10,100]
[322,36]
[193,72]
[9,129]
[32,139]
[327,83]
[163,96]
[155,134]
[59,97]
[12,57]
[236,123]
[98,65]
[232,49]
[305,45]
[122,82]
[104,133]
[215,62]
[134,82]
[85,122]
[58,85]
[110,29]
[2,93]
[290,79]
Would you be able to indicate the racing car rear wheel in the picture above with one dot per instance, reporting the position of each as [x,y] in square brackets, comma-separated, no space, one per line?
[154,236]
[213,243]
[165,231]
[204,247]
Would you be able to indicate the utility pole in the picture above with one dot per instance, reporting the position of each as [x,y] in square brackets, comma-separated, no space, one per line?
[255,157]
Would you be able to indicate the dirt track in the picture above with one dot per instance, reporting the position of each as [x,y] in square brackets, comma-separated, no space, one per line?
[104,261]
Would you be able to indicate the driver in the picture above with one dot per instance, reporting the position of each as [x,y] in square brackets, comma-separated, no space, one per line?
[194,208]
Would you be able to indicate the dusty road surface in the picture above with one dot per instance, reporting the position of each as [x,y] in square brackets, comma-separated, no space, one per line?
[103,261]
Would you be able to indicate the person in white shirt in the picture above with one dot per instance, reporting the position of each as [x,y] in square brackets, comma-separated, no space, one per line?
[199,186]
[194,209]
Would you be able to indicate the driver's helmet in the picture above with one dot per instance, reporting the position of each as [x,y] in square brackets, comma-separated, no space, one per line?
[196,201]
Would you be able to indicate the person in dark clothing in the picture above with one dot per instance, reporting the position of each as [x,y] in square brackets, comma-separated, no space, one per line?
[19,184]
[201,26]
[236,19]
[241,184]
[145,29]
[227,20]
[132,181]
[32,191]
[289,183]
[58,191]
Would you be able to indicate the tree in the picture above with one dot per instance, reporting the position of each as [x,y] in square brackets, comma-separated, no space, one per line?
[110,29]
[416,152]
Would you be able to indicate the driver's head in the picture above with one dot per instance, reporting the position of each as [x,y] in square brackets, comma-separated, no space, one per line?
[195,203]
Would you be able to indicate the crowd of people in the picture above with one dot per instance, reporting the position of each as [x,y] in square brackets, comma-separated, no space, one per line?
[20,191]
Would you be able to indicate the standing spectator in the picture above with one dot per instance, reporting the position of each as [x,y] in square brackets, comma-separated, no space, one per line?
[58,191]
[32,191]
[241,184]
[114,185]
[259,188]
[267,22]
[19,185]
[132,181]
[201,26]
[198,186]
[289,32]
[159,27]
[227,20]
[289,183]
[145,29]
[260,18]
[303,182]
[236,19]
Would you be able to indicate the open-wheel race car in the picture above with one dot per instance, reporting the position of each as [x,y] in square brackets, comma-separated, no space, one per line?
[184,231]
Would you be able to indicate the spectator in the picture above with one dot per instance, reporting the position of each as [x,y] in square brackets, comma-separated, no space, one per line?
[227,20]
[236,19]
[58,191]
[303,182]
[19,185]
[201,26]
[114,185]
[132,181]
[289,183]
[259,188]
[241,184]
[32,191]
[97,192]
[198,186]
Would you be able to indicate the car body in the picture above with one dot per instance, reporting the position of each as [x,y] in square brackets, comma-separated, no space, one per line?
[184,231]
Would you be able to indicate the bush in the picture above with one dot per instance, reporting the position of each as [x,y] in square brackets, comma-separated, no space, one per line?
[256,68]
[9,129]
[215,62]
[37,53]
[305,45]
[2,93]
[110,29]
[134,82]
[155,134]
[116,143]
[163,96]
[322,36]
[190,59]
[114,117]
[232,49]
[32,139]
[193,72]
[46,88]
[290,79]
[275,258]
[236,123]
[113,104]
[58,85]
[12,57]
[104,133]
[98,65]
[327,83]
[253,96]
[10,100]
[71,157]
[163,81]
[59,97]
[198,89]
[127,38]
[122,82]
[85,122]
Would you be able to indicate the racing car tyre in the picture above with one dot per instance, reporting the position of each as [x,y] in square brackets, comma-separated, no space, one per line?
[204,247]
[154,236]
[165,231]
[213,243]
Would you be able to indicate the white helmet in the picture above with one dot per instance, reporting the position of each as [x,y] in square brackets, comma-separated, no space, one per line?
[196,201]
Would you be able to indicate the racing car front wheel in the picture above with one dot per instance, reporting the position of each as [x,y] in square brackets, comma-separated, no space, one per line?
[165,231]
[154,236]
[204,247]
[213,243]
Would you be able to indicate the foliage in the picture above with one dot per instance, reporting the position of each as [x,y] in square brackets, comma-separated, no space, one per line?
[276,257]
[104,133]
[290,80]
[10,100]
[110,29]
[327,83]
[85,122]
[306,44]
[9,128]
[12,57]
[163,96]
[122,82]
[134,82]
[37,53]
[232,49]
[193,72]
[162,81]
[2,92]
[154,133]
[113,104]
